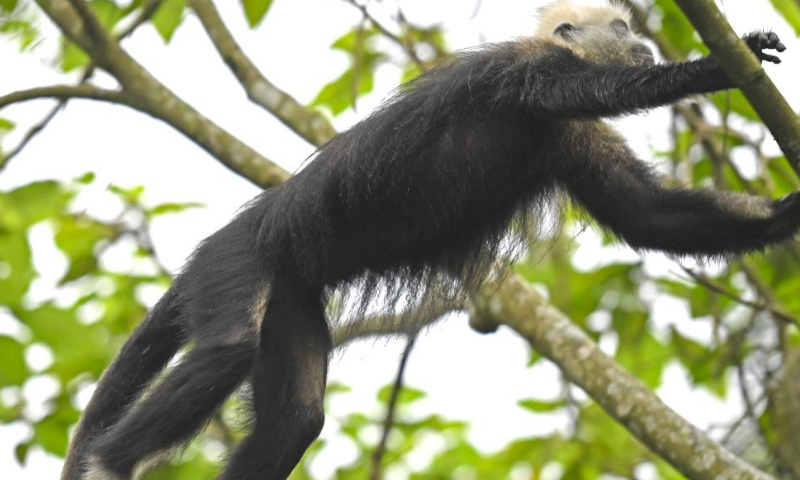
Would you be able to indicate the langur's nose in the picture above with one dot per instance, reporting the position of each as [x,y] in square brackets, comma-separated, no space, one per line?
[643,52]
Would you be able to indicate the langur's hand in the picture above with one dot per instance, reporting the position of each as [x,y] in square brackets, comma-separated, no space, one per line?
[760,41]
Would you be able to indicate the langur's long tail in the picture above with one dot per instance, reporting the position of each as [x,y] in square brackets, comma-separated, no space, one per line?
[151,345]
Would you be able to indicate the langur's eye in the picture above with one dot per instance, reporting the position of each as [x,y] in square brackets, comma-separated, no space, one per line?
[619,26]
[565,29]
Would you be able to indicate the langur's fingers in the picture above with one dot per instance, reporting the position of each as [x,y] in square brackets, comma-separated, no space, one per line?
[770,58]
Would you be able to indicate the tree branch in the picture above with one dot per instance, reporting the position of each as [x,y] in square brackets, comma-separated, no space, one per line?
[68,21]
[308,124]
[406,46]
[742,66]
[716,287]
[91,23]
[431,309]
[65,92]
[30,134]
[388,421]
[147,12]
[154,98]
[516,304]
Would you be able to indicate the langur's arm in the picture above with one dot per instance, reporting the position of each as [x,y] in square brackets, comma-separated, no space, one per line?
[621,193]
[562,84]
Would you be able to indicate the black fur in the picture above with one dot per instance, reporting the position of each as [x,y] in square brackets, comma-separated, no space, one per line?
[424,190]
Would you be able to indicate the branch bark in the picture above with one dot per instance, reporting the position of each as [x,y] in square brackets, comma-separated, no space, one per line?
[63,92]
[742,66]
[315,128]
[516,304]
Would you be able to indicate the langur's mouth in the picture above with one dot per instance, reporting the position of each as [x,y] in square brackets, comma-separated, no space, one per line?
[643,53]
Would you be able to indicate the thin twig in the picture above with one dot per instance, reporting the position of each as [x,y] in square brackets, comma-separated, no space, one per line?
[39,127]
[716,287]
[408,48]
[147,12]
[66,92]
[388,422]
[5,159]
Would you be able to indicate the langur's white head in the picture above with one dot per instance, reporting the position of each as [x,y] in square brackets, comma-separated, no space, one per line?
[599,34]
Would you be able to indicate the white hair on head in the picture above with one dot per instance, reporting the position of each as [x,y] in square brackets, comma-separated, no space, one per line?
[578,13]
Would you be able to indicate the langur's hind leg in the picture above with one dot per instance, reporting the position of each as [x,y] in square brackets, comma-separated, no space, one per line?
[180,405]
[288,386]
[151,345]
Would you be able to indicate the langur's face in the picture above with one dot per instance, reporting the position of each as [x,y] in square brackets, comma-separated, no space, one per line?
[607,41]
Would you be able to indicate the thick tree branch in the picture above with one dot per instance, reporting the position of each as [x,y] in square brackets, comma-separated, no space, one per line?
[308,124]
[743,67]
[516,304]
[68,21]
[410,322]
[91,23]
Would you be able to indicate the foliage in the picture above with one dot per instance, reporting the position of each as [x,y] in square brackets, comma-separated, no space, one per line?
[82,334]
[746,307]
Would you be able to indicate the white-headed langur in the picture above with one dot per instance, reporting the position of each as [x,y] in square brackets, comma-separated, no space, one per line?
[425,187]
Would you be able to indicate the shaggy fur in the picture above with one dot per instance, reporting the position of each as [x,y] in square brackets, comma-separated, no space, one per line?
[420,193]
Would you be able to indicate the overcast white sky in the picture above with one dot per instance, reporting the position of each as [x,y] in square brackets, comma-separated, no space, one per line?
[467,376]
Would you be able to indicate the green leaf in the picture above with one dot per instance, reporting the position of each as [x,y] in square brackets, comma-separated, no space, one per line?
[11,413]
[639,351]
[677,28]
[790,11]
[51,434]
[131,196]
[6,125]
[72,56]
[782,174]
[107,12]
[23,31]
[539,406]
[703,364]
[16,269]
[8,5]
[21,452]
[737,103]
[12,358]
[86,178]
[338,95]
[255,10]
[77,348]
[39,200]
[77,237]
[407,395]
[167,18]
[165,208]
[354,40]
